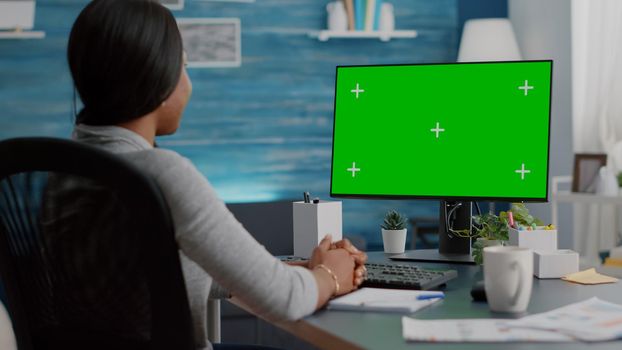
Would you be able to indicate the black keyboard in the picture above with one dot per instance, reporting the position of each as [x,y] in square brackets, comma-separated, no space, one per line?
[402,276]
[399,276]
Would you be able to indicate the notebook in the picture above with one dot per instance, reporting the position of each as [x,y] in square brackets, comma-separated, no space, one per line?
[385,300]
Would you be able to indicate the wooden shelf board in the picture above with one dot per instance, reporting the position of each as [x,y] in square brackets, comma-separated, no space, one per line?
[22,34]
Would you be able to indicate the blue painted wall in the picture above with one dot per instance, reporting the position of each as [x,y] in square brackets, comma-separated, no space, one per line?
[260,132]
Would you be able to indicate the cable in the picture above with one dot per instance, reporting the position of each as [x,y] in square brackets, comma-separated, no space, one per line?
[449,226]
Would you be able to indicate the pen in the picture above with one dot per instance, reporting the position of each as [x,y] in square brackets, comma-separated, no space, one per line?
[306,197]
[511,219]
[430,296]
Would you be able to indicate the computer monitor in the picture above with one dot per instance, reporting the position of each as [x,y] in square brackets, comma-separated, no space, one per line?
[457,132]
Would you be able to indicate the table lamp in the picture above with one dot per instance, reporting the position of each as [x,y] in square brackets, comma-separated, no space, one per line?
[488,39]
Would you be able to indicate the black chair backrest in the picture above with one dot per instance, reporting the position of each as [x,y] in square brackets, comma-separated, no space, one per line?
[88,256]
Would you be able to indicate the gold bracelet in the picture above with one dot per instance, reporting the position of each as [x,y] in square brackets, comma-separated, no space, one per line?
[330,272]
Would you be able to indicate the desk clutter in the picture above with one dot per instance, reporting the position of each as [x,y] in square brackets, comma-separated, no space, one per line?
[592,320]
[385,300]
[548,260]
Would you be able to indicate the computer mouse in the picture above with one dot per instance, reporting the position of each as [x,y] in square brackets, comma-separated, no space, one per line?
[478,292]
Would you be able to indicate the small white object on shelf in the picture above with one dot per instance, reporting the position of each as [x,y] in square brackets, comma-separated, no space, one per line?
[325,35]
[387,17]
[337,19]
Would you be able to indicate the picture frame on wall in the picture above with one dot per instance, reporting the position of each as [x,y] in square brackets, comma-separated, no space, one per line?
[173,4]
[17,15]
[585,173]
[212,42]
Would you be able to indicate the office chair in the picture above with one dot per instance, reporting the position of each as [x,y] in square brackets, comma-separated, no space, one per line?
[88,256]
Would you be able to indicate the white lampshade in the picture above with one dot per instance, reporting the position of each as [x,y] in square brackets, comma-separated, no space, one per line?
[488,39]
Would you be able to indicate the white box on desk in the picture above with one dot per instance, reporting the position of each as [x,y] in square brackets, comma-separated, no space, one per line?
[538,239]
[313,221]
[555,263]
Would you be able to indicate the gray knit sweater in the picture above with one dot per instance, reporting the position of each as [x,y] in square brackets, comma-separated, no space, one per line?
[217,253]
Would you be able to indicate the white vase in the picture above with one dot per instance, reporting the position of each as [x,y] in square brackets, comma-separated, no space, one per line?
[394,241]
[387,18]
[337,16]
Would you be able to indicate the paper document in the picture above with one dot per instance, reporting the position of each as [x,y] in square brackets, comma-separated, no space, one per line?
[473,330]
[591,320]
[388,300]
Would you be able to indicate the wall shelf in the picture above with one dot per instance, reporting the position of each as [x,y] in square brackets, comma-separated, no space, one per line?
[325,35]
[19,34]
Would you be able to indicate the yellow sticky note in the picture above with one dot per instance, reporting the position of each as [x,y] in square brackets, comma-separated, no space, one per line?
[589,276]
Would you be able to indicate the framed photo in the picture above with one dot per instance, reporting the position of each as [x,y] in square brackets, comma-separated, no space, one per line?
[173,4]
[212,42]
[17,14]
[586,167]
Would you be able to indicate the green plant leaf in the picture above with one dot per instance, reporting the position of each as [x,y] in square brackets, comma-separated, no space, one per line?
[478,252]
[394,221]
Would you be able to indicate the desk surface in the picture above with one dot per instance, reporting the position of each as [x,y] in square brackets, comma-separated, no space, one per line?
[367,330]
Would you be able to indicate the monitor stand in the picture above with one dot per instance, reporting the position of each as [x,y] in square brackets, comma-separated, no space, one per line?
[456,215]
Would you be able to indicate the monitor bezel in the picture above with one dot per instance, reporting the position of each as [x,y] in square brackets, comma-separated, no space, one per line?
[544,199]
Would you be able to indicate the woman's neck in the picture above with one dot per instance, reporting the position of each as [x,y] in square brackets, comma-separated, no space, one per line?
[144,126]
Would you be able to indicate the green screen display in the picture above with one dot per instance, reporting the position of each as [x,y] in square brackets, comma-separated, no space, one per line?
[471,130]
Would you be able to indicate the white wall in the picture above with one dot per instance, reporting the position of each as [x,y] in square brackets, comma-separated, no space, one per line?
[543,30]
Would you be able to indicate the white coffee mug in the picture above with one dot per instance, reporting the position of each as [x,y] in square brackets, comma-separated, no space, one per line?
[508,278]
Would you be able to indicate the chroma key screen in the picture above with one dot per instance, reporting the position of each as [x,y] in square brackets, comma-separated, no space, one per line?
[458,130]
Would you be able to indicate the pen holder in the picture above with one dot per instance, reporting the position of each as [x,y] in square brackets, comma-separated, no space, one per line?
[538,239]
[313,221]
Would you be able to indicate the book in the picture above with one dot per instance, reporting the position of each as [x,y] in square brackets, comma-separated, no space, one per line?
[385,300]
[369,15]
[377,14]
[359,14]
[349,5]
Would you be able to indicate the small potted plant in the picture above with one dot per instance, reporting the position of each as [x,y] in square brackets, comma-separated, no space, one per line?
[394,232]
[491,230]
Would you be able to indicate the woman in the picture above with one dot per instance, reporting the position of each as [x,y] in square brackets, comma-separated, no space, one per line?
[127,64]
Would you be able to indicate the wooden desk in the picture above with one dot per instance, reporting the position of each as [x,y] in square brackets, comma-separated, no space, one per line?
[367,330]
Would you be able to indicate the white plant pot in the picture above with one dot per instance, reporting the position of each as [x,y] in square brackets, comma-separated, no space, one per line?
[490,242]
[394,241]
